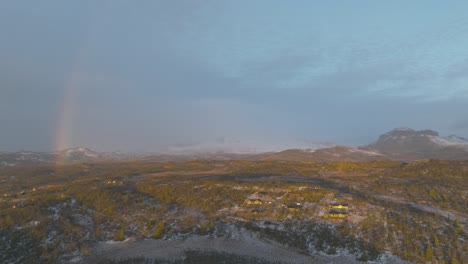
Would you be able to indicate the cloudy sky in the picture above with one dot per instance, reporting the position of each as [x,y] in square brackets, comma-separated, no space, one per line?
[148,75]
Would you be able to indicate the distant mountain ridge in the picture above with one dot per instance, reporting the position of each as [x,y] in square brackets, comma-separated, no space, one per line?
[79,154]
[404,144]
[70,155]
[336,153]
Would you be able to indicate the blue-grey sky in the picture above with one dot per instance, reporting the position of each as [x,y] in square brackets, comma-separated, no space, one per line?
[147,75]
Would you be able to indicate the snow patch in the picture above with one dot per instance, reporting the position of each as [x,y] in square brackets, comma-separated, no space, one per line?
[76,259]
[56,212]
[403,129]
[117,242]
[449,141]
[311,150]
[363,151]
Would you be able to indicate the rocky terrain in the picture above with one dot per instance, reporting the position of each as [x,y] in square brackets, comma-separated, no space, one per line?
[406,143]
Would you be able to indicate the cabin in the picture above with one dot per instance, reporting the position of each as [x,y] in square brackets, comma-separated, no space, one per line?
[336,213]
[253,202]
[294,206]
[339,205]
[403,164]
[114,182]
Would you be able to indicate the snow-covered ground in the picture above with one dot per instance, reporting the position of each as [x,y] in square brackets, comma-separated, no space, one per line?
[364,151]
[238,241]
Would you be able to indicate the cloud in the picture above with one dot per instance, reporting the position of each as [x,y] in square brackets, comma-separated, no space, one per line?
[154,74]
[163,123]
[458,70]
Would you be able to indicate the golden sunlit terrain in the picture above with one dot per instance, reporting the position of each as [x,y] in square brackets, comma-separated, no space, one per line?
[65,213]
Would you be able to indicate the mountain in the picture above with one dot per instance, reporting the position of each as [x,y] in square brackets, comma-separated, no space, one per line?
[82,154]
[336,153]
[398,144]
[406,143]
[25,158]
[228,145]
[79,154]
[71,155]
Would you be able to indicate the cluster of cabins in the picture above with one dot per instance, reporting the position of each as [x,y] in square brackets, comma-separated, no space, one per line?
[338,208]
[294,200]
[114,182]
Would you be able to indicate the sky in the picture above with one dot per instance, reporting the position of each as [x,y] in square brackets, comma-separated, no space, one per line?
[156,75]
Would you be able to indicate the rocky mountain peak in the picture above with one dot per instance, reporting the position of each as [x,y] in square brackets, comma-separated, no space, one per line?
[401,132]
[406,142]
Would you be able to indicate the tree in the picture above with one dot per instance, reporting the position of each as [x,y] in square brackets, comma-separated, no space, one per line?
[8,221]
[120,236]
[212,226]
[159,231]
[429,253]
[459,226]
[436,241]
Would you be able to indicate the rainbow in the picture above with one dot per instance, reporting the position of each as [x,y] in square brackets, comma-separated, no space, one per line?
[63,135]
[68,105]
[67,109]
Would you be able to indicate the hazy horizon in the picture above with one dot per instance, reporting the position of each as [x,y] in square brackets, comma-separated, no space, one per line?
[154,75]
[233,146]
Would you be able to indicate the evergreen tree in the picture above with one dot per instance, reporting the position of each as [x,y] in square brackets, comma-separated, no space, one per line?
[120,236]
[429,253]
[159,231]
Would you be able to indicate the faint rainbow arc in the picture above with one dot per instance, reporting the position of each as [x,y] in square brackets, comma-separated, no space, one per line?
[68,105]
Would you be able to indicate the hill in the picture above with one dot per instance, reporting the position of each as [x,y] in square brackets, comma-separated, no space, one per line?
[406,143]
[337,153]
